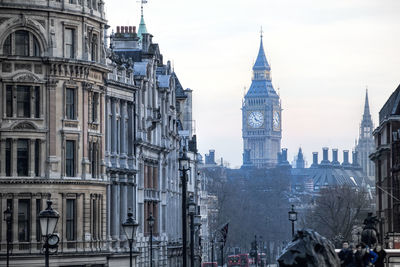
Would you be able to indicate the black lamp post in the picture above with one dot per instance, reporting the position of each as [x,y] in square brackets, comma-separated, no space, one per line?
[292,218]
[8,218]
[130,226]
[184,162]
[48,221]
[150,221]
[192,211]
[221,246]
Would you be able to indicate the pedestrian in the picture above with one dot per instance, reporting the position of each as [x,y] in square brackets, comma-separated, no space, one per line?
[352,256]
[359,254]
[369,257]
[344,254]
[380,262]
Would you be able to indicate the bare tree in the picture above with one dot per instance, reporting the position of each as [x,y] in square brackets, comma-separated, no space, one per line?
[337,211]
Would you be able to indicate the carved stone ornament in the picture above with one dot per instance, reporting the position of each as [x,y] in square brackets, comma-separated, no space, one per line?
[24,126]
[25,77]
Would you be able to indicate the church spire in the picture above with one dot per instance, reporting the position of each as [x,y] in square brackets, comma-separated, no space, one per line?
[367,113]
[261,61]
[142,26]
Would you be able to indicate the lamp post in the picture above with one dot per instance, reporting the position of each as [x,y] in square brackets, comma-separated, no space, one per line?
[150,221]
[130,226]
[8,218]
[212,249]
[184,162]
[221,246]
[48,220]
[292,218]
[192,211]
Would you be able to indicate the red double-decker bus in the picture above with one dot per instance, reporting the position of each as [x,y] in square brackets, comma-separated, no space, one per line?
[234,260]
[244,260]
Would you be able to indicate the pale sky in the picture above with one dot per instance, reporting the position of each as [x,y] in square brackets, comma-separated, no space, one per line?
[323,54]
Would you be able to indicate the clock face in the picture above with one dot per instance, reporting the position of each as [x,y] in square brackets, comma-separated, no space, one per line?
[53,240]
[256,119]
[276,120]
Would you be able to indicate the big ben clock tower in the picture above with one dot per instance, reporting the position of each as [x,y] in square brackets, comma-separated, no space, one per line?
[261,118]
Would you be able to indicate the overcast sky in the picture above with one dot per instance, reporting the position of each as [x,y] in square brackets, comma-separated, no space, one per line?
[323,54]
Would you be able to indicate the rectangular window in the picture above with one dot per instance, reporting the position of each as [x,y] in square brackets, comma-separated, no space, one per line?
[8,157]
[22,43]
[69,43]
[70,217]
[7,46]
[70,104]
[9,101]
[23,101]
[23,220]
[95,103]
[93,153]
[37,157]
[70,159]
[94,48]
[38,210]
[22,157]
[37,101]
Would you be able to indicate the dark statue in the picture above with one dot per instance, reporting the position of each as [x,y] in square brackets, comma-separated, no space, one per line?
[309,249]
[369,235]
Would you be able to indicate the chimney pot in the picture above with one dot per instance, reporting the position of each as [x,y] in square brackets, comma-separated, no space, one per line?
[315,158]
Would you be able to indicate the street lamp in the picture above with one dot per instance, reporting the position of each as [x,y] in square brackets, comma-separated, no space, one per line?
[221,244]
[184,162]
[150,221]
[8,218]
[130,226]
[292,218]
[48,219]
[192,211]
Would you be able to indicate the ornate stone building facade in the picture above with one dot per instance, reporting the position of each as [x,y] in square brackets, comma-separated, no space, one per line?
[261,118]
[52,128]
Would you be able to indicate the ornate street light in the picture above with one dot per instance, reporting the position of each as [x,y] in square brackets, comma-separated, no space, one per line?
[130,226]
[150,221]
[184,166]
[48,219]
[292,218]
[8,218]
[192,210]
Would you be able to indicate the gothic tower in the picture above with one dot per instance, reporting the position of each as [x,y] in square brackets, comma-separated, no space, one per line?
[261,117]
[365,145]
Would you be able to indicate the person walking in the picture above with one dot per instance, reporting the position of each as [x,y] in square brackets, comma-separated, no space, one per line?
[369,257]
[344,254]
[380,262]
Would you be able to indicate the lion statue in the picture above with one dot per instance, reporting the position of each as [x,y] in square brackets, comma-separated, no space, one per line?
[309,249]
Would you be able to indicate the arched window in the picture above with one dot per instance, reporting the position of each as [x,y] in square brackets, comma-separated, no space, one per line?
[21,43]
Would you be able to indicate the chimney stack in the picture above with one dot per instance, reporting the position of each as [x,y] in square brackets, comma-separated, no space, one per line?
[126,29]
[325,156]
[284,154]
[335,157]
[315,159]
[118,29]
[130,29]
[355,159]
[122,29]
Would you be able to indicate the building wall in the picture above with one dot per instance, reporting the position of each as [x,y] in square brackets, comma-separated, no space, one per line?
[51,141]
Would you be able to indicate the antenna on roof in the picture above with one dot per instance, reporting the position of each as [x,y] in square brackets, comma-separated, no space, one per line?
[142,2]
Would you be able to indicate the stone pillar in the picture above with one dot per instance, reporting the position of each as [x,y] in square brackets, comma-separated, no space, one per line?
[42,155]
[3,157]
[79,220]
[123,205]
[113,127]
[31,172]
[32,99]
[114,208]
[108,213]
[123,136]
[33,221]
[15,220]
[14,144]
[14,100]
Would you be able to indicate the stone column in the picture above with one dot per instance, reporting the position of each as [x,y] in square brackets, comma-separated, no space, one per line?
[108,213]
[3,157]
[114,208]
[113,127]
[32,99]
[15,220]
[14,144]
[33,221]
[123,205]
[79,220]
[14,100]
[31,167]
[42,155]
